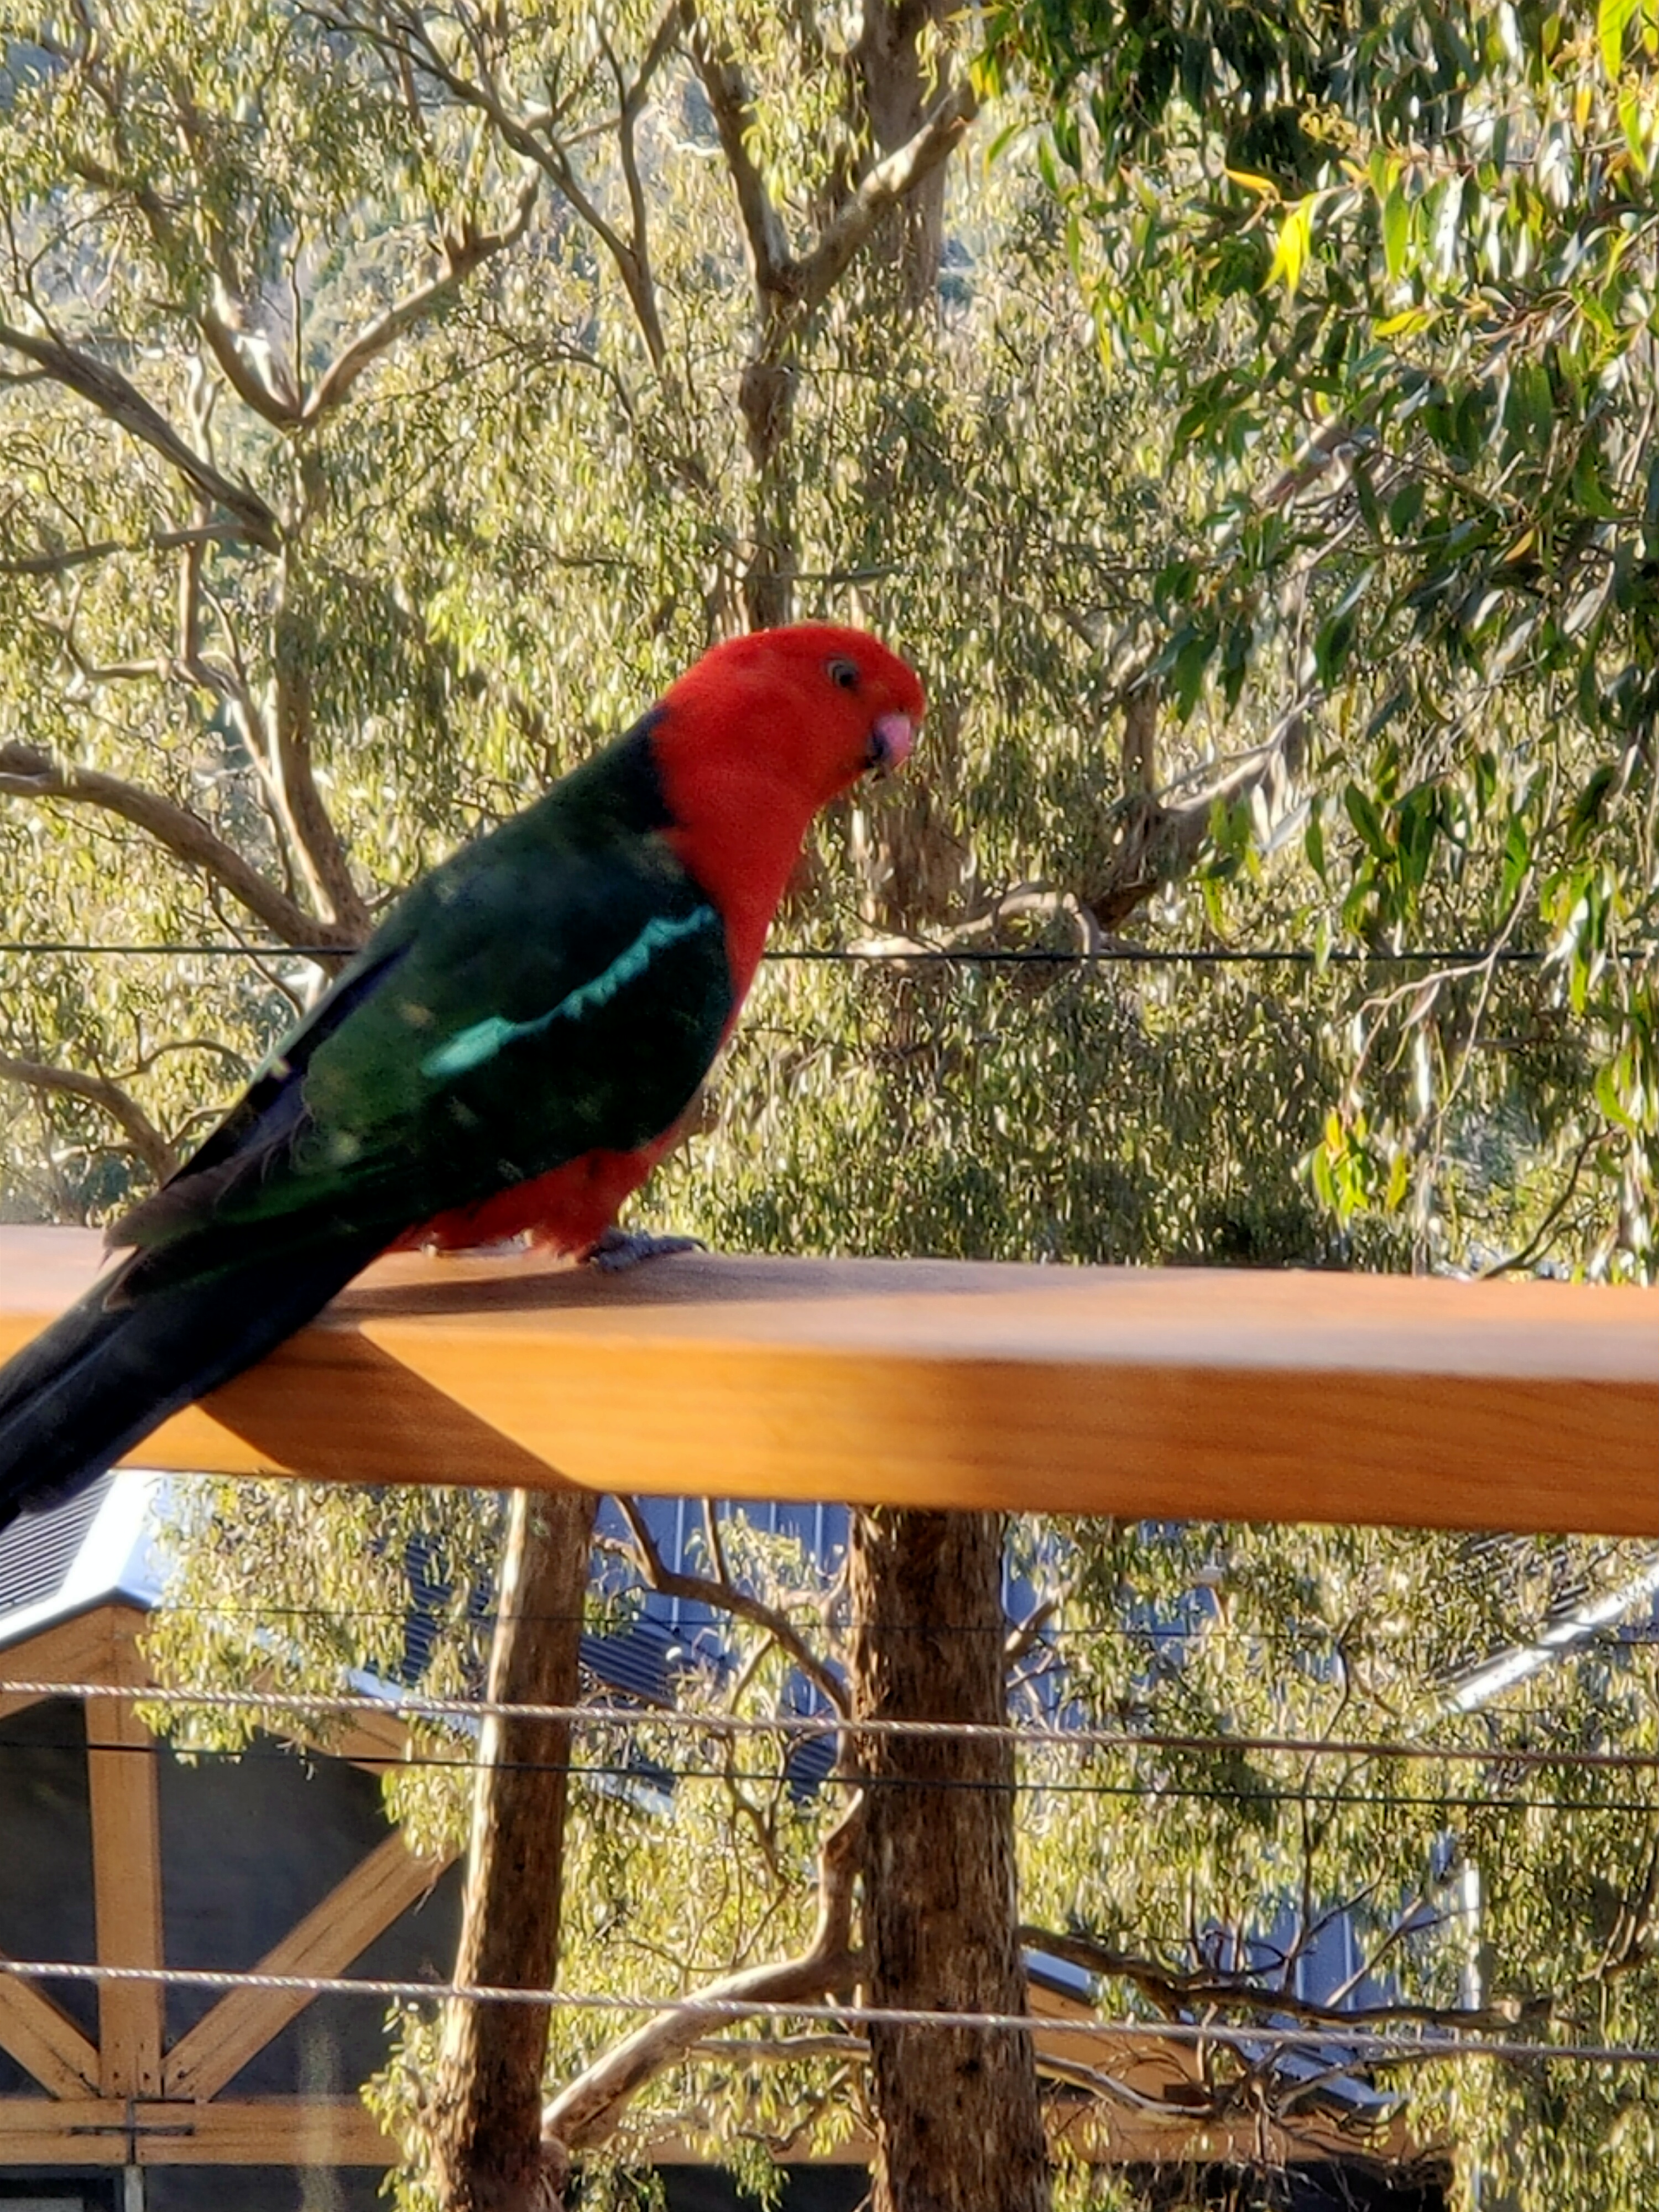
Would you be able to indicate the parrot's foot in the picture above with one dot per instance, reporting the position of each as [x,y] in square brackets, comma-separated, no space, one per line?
[619,1250]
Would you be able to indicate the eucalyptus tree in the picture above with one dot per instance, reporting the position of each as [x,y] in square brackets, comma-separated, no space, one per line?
[1419,250]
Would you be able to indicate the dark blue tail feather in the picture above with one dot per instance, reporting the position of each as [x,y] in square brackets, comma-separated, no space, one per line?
[93,1385]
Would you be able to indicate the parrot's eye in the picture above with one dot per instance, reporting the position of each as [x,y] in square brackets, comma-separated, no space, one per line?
[846,673]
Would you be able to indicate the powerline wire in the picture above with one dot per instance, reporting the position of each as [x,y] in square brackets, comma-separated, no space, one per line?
[924,955]
[1358,2046]
[650,1772]
[1056,1736]
[1209,1630]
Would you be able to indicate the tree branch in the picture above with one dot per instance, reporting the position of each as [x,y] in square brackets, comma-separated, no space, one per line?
[62,560]
[791,288]
[1176,1992]
[941,133]
[27,773]
[141,1132]
[409,41]
[727,1597]
[1023,1639]
[779,2050]
[271,394]
[266,388]
[587,2111]
[124,404]
[631,102]
[461,256]
[730,102]
[317,843]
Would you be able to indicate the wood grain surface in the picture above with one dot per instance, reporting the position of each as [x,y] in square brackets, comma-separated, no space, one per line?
[1143,1392]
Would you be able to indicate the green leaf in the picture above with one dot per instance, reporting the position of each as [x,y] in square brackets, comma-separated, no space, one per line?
[1398,698]
[1608,1098]
[1295,244]
[1586,806]
[1405,507]
[1362,813]
[1517,856]
[1612,20]
[1312,840]
[1396,233]
[1400,1176]
[1332,647]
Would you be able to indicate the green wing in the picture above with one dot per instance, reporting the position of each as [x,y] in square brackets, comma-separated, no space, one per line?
[560,986]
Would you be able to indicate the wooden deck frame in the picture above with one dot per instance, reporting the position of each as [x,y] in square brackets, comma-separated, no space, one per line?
[126,2099]
[190,2120]
[1139,1392]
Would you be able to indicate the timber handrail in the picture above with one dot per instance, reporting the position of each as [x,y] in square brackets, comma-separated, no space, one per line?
[1147,1393]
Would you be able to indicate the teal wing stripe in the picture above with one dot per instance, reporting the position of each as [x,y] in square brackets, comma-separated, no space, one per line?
[470,1047]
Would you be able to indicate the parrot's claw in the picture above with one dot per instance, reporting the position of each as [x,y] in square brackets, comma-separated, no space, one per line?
[619,1250]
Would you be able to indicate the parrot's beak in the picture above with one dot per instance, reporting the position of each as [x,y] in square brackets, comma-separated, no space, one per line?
[890,741]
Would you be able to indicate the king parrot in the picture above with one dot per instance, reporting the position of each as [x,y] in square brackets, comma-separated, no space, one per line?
[511,1053]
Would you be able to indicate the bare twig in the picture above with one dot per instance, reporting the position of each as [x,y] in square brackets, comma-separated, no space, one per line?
[124,404]
[1540,1236]
[100,1090]
[1173,1992]
[27,774]
[726,1597]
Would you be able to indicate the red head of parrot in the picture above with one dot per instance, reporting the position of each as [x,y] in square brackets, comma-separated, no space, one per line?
[759,735]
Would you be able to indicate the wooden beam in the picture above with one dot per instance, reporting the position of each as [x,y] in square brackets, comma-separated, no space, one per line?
[124,1784]
[348,1920]
[44,2041]
[1101,2133]
[1265,1396]
[257,2131]
[338,2131]
[78,1650]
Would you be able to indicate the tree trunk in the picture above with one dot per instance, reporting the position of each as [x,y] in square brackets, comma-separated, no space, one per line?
[486,2138]
[898,91]
[958,2125]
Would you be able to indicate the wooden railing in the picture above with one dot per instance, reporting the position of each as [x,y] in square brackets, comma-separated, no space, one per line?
[1151,1392]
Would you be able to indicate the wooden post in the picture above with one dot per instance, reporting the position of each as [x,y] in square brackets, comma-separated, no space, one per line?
[486,2129]
[958,2123]
[122,1781]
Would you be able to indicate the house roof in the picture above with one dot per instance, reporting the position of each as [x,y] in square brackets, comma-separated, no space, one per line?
[103,1547]
[97,1546]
